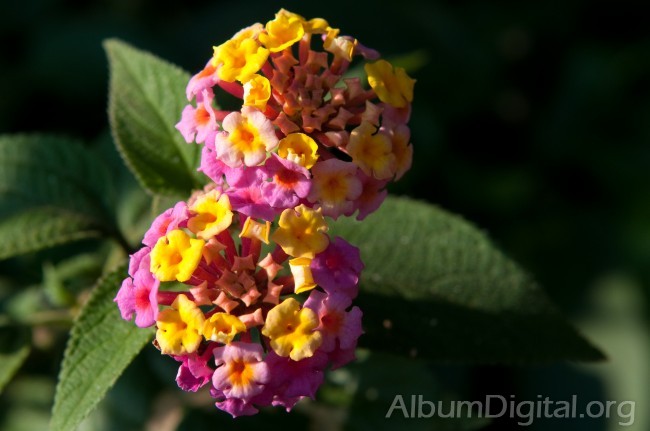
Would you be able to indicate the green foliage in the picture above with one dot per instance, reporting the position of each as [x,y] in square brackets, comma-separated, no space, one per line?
[146,98]
[101,346]
[52,191]
[14,349]
[40,228]
[434,286]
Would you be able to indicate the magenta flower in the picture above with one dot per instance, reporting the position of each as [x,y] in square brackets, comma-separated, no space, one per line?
[340,357]
[293,380]
[139,295]
[246,194]
[289,183]
[336,324]
[165,223]
[194,371]
[337,268]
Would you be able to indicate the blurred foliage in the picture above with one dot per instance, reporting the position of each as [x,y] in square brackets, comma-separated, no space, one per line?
[532,119]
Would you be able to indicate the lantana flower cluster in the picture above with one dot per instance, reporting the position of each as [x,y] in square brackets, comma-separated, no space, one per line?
[305,133]
[243,283]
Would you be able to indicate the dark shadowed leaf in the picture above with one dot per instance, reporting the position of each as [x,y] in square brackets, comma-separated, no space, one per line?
[434,286]
[14,349]
[52,191]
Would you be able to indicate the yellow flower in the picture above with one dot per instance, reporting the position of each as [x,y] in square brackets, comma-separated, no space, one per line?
[222,327]
[340,46]
[175,256]
[257,90]
[179,327]
[291,330]
[372,153]
[302,277]
[301,232]
[213,215]
[239,58]
[300,149]
[316,26]
[403,150]
[255,229]
[282,32]
[392,86]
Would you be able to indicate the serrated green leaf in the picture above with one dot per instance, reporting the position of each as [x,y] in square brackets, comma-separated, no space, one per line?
[14,349]
[146,98]
[40,228]
[434,286]
[52,191]
[101,346]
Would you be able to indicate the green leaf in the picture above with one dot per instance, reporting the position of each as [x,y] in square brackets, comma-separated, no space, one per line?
[146,98]
[40,228]
[14,349]
[434,286]
[52,191]
[101,346]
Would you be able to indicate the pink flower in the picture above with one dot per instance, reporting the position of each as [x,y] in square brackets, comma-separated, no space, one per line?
[198,123]
[293,380]
[289,183]
[373,193]
[165,223]
[194,371]
[135,263]
[336,324]
[246,195]
[241,373]
[139,295]
[205,79]
[337,268]
[340,357]
[236,407]
[211,166]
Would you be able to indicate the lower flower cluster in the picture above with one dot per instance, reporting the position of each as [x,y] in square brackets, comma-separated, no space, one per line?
[256,309]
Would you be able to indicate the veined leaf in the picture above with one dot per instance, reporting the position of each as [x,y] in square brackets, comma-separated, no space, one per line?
[100,347]
[43,227]
[14,349]
[434,286]
[52,191]
[146,98]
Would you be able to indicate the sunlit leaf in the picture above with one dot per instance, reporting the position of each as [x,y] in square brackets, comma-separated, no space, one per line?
[101,346]
[146,98]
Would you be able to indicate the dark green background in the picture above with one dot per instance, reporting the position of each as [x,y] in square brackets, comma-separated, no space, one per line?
[531,119]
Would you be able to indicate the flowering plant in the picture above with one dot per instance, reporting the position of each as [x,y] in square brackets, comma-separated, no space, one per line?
[267,234]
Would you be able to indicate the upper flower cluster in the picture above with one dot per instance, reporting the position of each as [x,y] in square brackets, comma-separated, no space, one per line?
[305,133]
